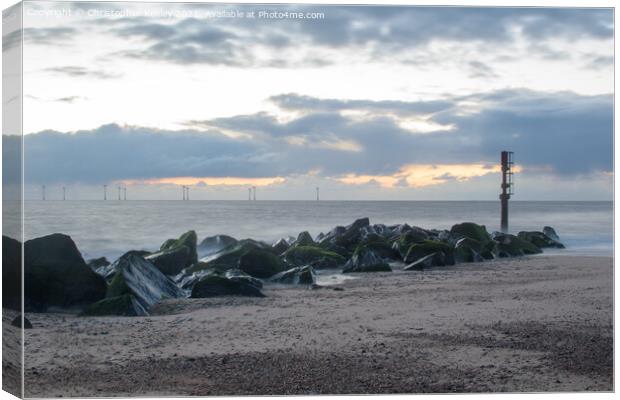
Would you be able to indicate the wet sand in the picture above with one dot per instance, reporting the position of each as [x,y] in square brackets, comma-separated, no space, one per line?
[530,324]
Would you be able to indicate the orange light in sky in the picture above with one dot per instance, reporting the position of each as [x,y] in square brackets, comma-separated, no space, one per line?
[223,181]
[422,175]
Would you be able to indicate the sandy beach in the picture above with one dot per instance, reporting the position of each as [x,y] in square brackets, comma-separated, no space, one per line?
[541,323]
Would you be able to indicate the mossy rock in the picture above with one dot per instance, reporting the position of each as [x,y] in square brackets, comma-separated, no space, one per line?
[471,230]
[314,256]
[189,240]
[173,260]
[281,246]
[215,285]
[380,246]
[429,261]
[511,246]
[304,239]
[468,250]
[125,305]
[143,281]
[407,239]
[261,263]
[296,276]
[214,244]
[419,250]
[539,239]
[366,260]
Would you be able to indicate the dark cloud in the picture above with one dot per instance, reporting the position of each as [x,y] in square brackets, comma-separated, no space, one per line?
[379,31]
[292,101]
[49,36]
[481,70]
[79,72]
[569,133]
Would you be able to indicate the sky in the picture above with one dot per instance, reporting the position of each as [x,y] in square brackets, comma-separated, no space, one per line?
[365,102]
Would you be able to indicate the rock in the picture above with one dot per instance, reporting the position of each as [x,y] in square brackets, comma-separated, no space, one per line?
[281,246]
[408,238]
[378,230]
[296,276]
[313,256]
[347,237]
[108,271]
[189,240]
[304,239]
[172,261]
[17,322]
[431,260]
[95,263]
[261,263]
[216,284]
[550,232]
[11,273]
[468,250]
[142,280]
[55,274]
[419,250]
[125,305]
[381,246]
[511,246]
[366,260]
[539,239]
[214,244]
[472,231]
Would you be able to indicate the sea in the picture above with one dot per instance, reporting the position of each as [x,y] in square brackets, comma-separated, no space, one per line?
[110,228]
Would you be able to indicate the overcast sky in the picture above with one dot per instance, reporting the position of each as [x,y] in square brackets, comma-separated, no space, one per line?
[366,102]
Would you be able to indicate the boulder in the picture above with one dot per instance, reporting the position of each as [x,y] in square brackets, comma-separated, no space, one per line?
[472,231]
[95,263]
[17,322]
[281,246]
[255,258]
[366,260]
[313,256]
[304,239]
[409,237]
[539,239]
[419,250]
[143,281]
[511,246]
[172,261]
[55,274]
[431,260]
[468,250]
[550,232]
[381,246]
[11,273]
[125,305]
[215,244]
[217,284]
[347,237]
[296,276]
[189,240]
[261,263]
[108,271]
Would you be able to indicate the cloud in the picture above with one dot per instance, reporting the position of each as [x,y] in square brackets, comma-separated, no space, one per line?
[481,70]
[374,32]
[562,133]
[81,72]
